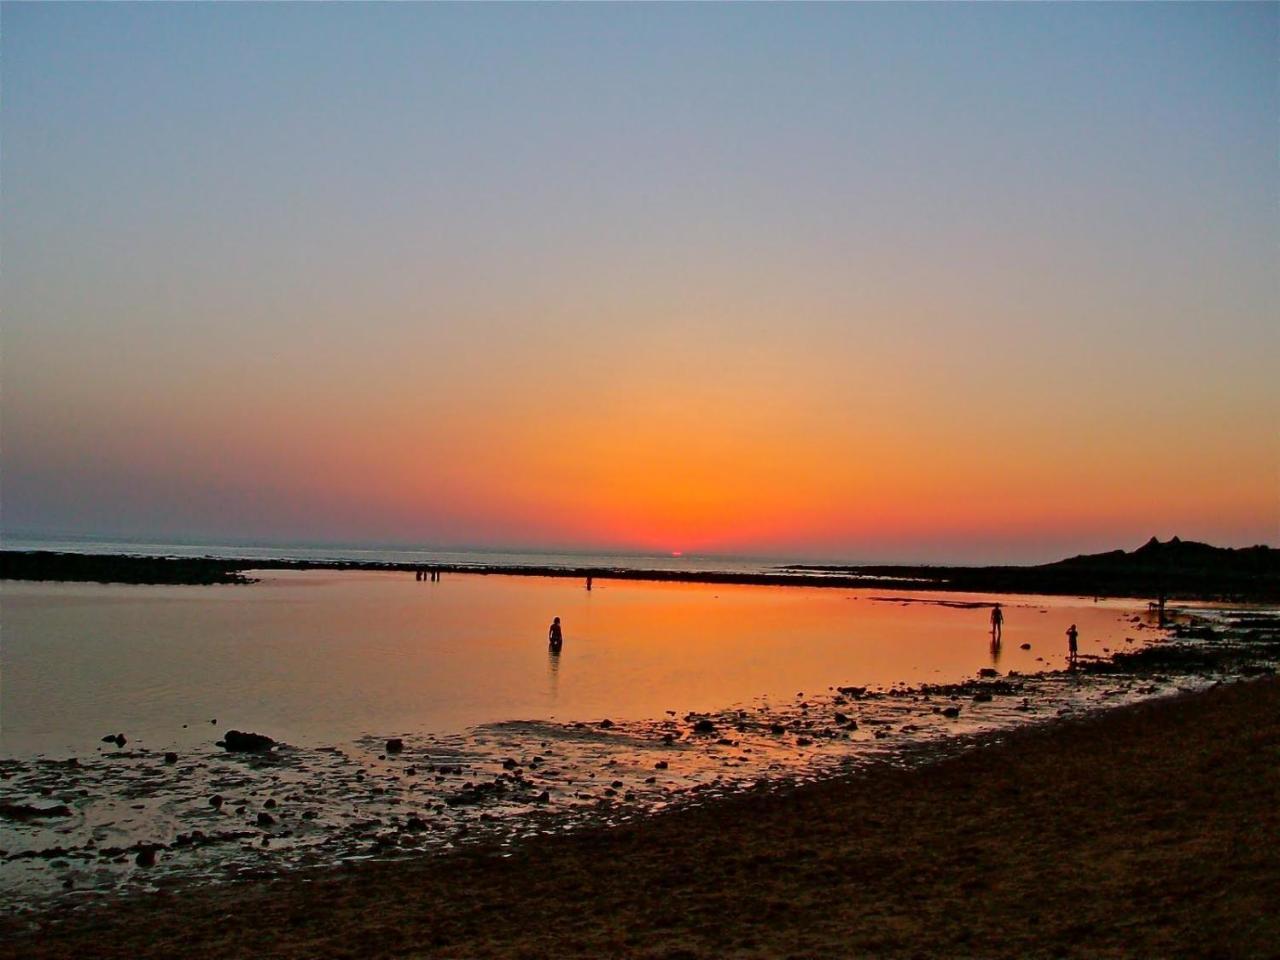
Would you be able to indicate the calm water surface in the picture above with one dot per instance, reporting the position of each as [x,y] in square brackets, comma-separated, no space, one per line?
[313,657]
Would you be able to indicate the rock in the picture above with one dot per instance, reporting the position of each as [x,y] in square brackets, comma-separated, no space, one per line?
[265,819]
[415,823]
[803,742]
[170,757]
[704,726]
[395,745]
[216,801]
[777,729]
[982,698]
[660,765]
[236,741]
[841,717]
[952,712]
[543,797]
[117,738]
[25,811]
[1024,646]
[668,738]
[146,857]
[606,724]
[271,803]
[988,672]
[509,764]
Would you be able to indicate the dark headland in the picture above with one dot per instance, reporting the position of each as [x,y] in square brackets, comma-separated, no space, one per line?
[1175,569]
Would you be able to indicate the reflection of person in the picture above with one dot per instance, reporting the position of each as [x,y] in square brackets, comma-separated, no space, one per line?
[997,622]
[1072,648]
[555,637]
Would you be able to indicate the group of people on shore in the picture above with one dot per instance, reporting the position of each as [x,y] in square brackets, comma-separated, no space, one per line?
[997,631]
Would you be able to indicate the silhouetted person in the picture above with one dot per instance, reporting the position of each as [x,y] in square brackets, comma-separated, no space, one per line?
[555,637]
[1073,650]
[997,623]
[417,575]
[588,582]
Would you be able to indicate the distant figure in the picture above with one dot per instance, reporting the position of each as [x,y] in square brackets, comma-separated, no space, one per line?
[1072,648]
[555,637]
[997,623]
[417,574]
[588,581]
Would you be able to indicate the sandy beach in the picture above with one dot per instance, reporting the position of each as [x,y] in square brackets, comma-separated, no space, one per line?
[1150,830]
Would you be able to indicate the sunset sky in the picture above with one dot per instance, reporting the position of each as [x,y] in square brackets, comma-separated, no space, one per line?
[961,282]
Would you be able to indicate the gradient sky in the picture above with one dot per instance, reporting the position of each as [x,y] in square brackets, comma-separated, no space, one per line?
[961,282]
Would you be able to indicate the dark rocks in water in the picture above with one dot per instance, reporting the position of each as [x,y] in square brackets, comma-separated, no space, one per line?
[982,697]
[117,738]
[170,757]
[265,819]
[271,803]
[146,856]
[543,797]
[509,764]
[395,745]
[239,742]
[803,742]
[660,765]
[216,801]
[668,738]
[1024,646]
[605,724]
[25,811]
[841,717]
[415,823]
[854,692]
[952,712]
[704,726]
[988,672]
[777,729]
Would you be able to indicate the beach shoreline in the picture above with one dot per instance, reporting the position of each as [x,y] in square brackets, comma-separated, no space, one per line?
[1058,839]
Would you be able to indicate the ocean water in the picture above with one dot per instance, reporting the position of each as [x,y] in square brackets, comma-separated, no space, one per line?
[315,656]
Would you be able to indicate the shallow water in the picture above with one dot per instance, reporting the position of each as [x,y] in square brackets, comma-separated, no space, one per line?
[315,657]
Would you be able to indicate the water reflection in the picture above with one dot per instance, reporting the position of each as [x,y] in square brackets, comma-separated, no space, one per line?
[995,651]
[553,673]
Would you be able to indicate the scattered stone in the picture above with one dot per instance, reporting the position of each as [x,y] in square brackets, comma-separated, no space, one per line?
[395,745]
[988,672]
[606,724]
[117,738]
[265,819]
[952,712]
[704,726]
[1024,646]
[216,801]
[146,856]
[239,742]
[271,803]
[25,811]
[170,757]
[660,765]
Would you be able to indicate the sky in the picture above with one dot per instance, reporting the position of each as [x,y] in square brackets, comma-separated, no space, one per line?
[875,282]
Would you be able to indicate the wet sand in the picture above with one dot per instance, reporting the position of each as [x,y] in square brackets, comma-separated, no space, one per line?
[1148,830]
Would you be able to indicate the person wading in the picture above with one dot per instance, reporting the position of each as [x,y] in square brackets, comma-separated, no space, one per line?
[555,636]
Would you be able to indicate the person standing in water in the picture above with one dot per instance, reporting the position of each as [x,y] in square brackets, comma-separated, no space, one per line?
[997,623]
[555,637]
[1072,648]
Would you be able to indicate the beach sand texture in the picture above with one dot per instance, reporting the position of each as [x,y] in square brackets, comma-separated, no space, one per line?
[1150,830]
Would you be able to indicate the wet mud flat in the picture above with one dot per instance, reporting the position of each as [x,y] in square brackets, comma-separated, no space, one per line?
[126,820]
